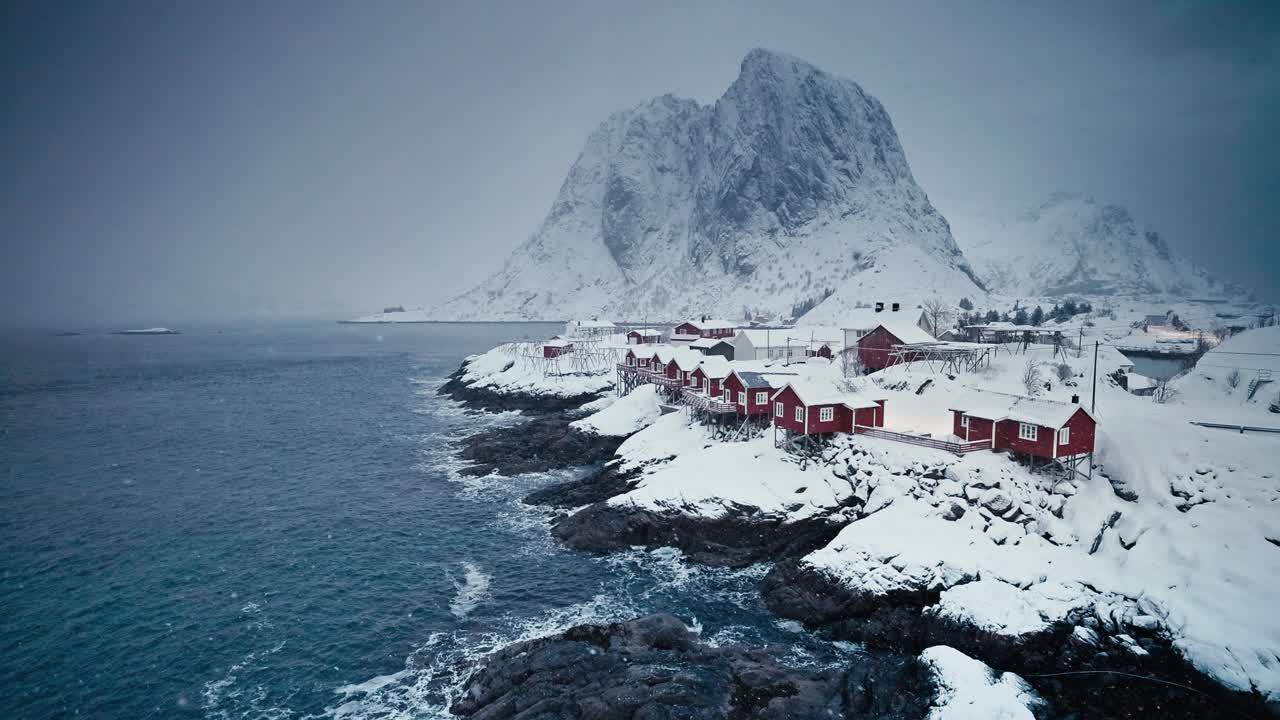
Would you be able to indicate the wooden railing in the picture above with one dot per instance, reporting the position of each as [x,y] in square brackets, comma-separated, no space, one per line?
[699,399]
[959,448]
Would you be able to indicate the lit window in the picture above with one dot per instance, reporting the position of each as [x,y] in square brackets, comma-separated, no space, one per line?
[1064,436]
[799,415]
[1027,431]
[826,414]
[964,421]
[777,409]
[762,398]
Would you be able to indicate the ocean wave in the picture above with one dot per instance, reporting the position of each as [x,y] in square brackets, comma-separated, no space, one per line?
[471,591]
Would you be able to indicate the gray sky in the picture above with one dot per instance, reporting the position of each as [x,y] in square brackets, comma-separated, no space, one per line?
[178,160]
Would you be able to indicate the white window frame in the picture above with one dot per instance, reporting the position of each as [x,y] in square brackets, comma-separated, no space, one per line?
[799,414]
[706,385]
[1028,431]
[762,398]
[742,397]
[1064,436]
[631,361]
[728,395]
[684,377]
[777,409]
[964,421]
[826,414]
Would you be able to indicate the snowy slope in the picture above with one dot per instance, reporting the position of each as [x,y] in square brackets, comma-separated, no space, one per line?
[1072,244]
[1173,536]
[792,183]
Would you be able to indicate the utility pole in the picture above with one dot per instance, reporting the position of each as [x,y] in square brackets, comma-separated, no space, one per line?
[1093,404]
[1080,343]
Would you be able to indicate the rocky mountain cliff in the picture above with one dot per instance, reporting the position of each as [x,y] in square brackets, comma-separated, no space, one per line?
[792,186]
[1070,243]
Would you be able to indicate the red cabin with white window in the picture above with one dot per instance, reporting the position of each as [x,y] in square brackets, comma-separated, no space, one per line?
[809,410]
[709,377]
[556,347]
[752,391]
[1044,429]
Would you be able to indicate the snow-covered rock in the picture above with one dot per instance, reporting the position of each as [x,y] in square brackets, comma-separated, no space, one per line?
[792,184]
[966,689]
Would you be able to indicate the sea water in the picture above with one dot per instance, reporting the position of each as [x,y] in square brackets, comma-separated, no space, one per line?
[269,522]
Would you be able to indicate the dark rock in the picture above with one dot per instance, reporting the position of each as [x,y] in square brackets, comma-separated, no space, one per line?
[741,537]
[597,487]
[653,668]
[1074,674]
[544,442]
[955,512]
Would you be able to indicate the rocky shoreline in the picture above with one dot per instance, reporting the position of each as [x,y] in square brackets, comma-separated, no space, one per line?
[654,667]
[1083,668]
[1086,667]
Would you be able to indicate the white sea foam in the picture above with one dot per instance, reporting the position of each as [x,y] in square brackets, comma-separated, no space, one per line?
[471,591]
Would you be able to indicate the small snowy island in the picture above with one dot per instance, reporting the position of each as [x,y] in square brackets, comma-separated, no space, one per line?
[148,331]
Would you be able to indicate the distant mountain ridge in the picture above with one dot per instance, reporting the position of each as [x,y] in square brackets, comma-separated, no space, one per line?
[792,186]
[1072,244]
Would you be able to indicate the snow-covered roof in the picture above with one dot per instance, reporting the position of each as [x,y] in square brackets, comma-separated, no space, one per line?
[558,342]
[998,406]
[905,330]
[774,337]
[685,337]
[868,318]
[646,332]
[715,367]
[705,343]
[709,324]
[815,391]
[646,351]
[682,356]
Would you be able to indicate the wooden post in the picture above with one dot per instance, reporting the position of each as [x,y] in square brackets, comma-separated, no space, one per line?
[1093,403]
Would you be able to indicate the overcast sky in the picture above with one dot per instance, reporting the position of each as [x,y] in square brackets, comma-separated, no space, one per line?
[175,160]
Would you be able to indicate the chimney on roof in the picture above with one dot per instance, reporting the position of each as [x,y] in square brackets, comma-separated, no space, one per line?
[896,306]
[879,307]
[1075,399]
[704,318]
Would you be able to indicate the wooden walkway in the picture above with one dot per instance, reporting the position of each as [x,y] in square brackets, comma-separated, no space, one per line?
[956,447]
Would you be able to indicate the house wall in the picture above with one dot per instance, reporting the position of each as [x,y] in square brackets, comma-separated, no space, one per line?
[751,407]
[1083,429]
[1007,439]
[874,349]
[869,417]
[724,350]
[550,351]
[635,338]
[979,428]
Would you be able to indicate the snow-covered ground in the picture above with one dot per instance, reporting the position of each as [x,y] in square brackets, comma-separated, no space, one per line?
[635,411]
[1176,532]
[520,368]
[969,690]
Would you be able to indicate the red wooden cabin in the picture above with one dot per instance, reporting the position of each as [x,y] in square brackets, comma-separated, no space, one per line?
[556,347]
[704,328]
[1044,429]
[810,409]
[644,336]
[752,392]
[875,349]
[709,377]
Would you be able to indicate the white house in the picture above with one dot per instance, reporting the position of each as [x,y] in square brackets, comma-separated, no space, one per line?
[861,321]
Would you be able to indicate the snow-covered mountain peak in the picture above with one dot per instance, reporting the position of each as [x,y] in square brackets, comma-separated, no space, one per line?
[792,184]
[1071,243]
